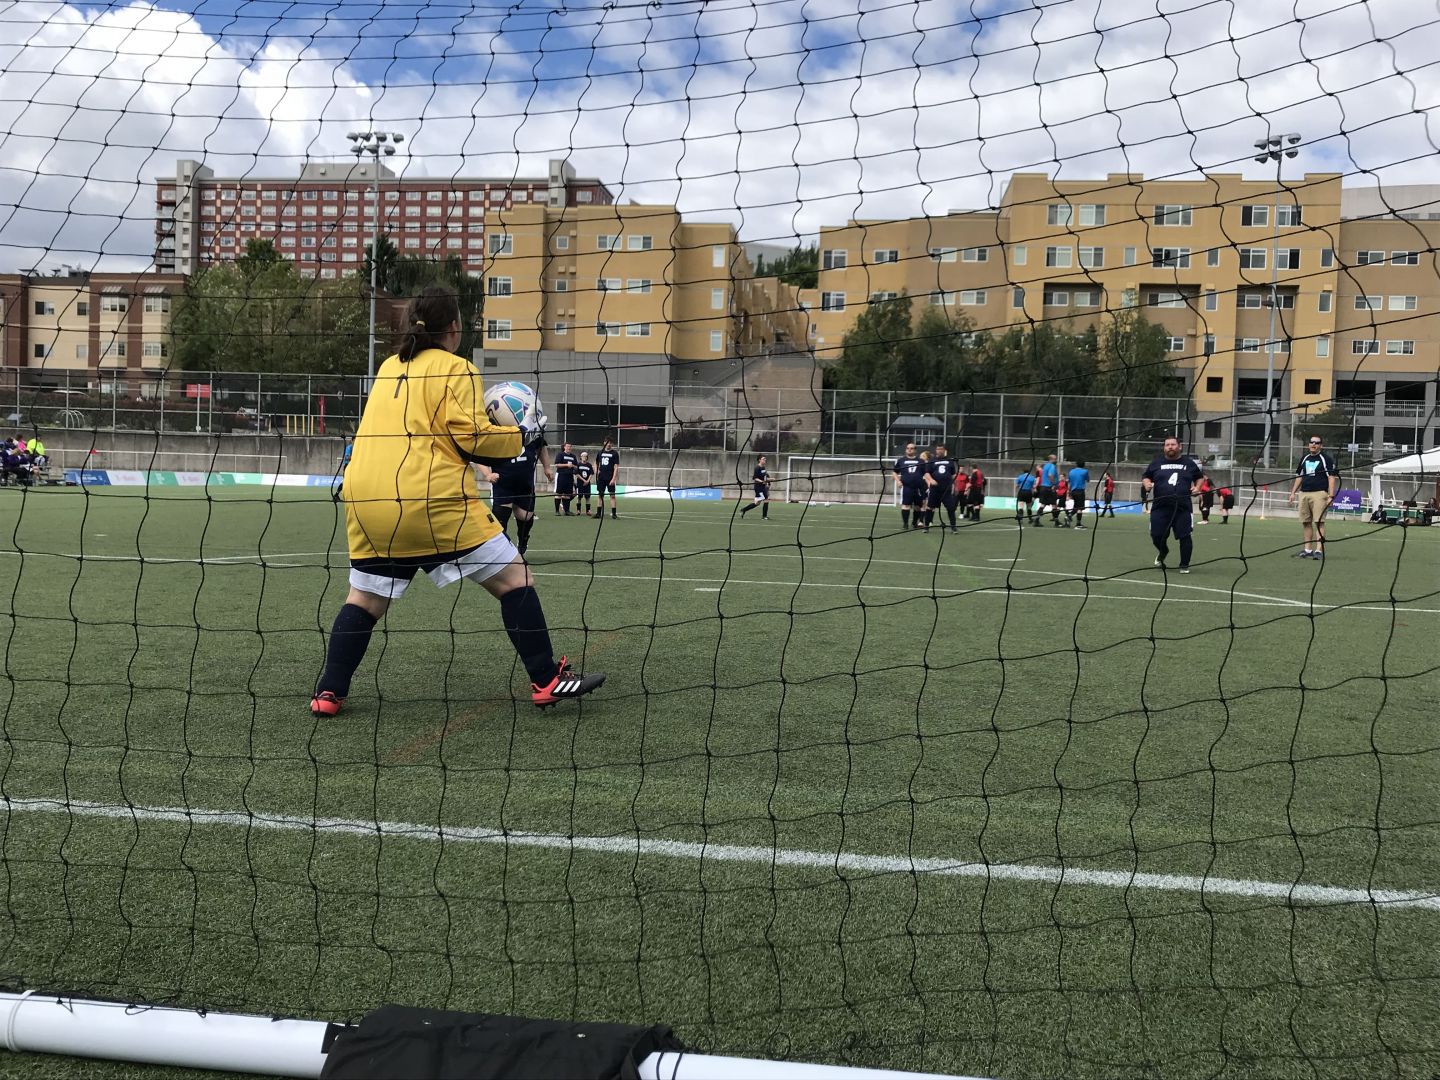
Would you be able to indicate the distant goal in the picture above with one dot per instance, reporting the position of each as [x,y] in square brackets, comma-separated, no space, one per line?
[816,479]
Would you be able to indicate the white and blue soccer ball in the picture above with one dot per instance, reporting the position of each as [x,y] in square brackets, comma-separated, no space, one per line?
[511,404]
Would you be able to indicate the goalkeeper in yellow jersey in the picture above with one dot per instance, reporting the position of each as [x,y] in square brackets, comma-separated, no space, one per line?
[412,504]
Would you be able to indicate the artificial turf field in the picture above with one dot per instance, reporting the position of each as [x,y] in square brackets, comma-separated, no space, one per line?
[771,828]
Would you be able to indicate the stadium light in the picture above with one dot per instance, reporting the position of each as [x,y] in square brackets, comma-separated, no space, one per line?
[1275,148]
[377,144]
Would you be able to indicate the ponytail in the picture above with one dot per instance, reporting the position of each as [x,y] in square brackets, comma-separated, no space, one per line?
[427,321]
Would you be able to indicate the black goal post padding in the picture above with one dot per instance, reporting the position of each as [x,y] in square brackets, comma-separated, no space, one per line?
[396,1042]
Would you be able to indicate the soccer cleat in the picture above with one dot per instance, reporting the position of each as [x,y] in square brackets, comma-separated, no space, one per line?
[325,704]
[1184,569]
[1160,562]
[566,684]
[1303,554]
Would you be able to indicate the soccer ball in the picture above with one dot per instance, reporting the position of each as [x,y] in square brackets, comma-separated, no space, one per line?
[509,404]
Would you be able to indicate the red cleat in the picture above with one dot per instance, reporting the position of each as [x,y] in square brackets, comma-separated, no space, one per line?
[566,684]
[325,704]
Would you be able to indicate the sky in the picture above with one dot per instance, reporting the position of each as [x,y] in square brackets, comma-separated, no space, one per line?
[776,115]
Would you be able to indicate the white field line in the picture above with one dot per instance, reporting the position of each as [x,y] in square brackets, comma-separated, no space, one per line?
[632,846]
[1233,597]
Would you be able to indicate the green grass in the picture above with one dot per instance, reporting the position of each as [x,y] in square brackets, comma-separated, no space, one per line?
[816,683]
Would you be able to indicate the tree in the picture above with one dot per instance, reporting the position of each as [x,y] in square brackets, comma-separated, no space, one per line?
[800,266]
[1334,425]
[260,314]
[259,255]
[1135,360]
[388,255]
[409,275]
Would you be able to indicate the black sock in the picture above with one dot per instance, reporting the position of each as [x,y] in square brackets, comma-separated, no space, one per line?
[349,638]
[1187,545]
[746,509]
[502,515]
[904,519]
[1161,547]
[522,529]
[557,505]
[525,623]
[765,509]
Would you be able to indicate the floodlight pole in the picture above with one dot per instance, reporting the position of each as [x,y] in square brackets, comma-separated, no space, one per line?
[376,144]
[1276,148]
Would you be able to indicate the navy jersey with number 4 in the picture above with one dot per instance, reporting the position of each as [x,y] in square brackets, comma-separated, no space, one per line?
[606,460]
[911,471]
[1173,479]
[942,471]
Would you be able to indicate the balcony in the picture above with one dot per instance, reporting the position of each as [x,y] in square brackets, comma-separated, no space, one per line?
[1407,409]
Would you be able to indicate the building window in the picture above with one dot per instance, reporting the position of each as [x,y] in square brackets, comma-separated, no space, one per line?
[834,259]
[1173,258]
[1164,298]
[1399,348]
[1252,258]
[607,329]
[44,307]
[832,301]
[502,244]
[1327,258]
[640,243]
[82,307]
[1212,300]
[1364,348]
[1173,215]
[1405,258]
[499,286]
[1312,386]
[943,254]
[561,284]
[717,300]
[82,352]
[1212,257]
[1369,303]
[717,341]
[42,352]
[562,328]
[153,350]
[1211,429]
[882,297]
[584,196]
[1209,346]
[607,284]
[1019,254]
[1017,297]
[434,196]
[1175,343]
[1287,216]
[1322,347]
[1127,298]
[1403,303]
[1369,258]
[637,329]
[1250,344]
[1215,384]
[1092,258]
[1131,254]
[1058,256]
[1057,214]
[562,243]
[520,196]
[717,256]
[1092,214]
[606,242]
[975,254]
[1057,297]
[1287,258]
[1326,301]
[1255,215]
[940,298]
[497,329]
[638,285]
[1086,298]
[972,297]
[886,255]
[113,303]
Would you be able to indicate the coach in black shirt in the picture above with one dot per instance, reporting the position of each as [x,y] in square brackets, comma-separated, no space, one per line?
[1316,479]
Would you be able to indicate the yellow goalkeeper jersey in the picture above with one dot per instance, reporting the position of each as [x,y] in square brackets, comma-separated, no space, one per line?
[409,490]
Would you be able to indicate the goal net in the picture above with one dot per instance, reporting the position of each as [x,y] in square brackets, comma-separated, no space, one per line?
[1073,787]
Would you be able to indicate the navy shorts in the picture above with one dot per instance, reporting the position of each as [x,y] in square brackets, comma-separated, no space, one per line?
[605,484]
[912,495]
[514,497]
[1171,516]
[565,483]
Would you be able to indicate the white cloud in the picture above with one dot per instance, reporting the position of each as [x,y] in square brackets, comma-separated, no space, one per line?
[780,116]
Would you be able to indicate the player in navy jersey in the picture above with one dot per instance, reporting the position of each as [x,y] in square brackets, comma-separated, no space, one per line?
[513,490]
[584,473]
[1171,479]
[565,463]
[607,463]
[942,492]
[760,478]
[911,479]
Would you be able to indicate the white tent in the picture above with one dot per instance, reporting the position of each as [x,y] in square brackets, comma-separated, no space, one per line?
[1410,477]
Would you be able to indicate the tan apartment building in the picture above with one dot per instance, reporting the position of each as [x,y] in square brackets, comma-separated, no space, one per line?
[70,323]
[1354,315]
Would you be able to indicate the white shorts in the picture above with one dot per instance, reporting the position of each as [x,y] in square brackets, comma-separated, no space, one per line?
[393,578]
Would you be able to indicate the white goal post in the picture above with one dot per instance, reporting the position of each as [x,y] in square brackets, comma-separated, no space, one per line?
[815,478]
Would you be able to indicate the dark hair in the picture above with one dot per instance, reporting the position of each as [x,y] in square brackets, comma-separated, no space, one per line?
[427,320]
[1079,464]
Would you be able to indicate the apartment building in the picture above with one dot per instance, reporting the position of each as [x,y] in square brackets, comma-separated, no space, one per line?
[1354,280]
[323,219]
[68,323]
